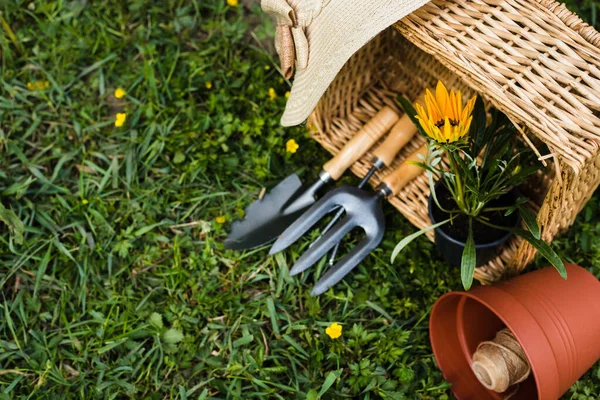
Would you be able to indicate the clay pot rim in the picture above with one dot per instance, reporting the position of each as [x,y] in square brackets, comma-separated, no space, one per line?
[469,357]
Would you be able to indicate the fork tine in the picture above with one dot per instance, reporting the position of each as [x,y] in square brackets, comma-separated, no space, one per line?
[322,245]
[346,264]
[313,215]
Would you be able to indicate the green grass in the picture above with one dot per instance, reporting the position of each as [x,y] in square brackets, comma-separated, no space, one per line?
[121,287]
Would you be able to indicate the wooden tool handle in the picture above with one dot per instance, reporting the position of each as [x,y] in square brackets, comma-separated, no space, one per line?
[406,172]
[366,137]
[402,132]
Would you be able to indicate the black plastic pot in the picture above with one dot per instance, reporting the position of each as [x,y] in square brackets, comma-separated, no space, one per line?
[452,248]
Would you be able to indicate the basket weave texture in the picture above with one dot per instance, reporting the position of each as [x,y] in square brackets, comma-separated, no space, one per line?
[534,60]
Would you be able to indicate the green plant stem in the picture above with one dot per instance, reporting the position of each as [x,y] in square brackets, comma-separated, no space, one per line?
[459,189]
[483,221]
[490,209]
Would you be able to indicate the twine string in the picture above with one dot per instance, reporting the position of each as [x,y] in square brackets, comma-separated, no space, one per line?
[501,363]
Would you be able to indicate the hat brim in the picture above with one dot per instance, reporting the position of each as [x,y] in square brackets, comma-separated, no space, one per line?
[340,30]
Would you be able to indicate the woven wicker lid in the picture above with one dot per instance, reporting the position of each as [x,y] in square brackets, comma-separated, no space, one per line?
[533,60]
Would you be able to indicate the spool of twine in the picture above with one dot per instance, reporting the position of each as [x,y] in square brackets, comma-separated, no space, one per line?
[500,363]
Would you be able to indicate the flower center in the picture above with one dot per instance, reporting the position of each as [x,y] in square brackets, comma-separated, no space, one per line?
[441,123]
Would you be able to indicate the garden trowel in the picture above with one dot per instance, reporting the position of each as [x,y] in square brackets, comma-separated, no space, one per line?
[267,217]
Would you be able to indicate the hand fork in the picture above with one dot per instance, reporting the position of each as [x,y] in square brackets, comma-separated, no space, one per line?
[363,209]
[401,133]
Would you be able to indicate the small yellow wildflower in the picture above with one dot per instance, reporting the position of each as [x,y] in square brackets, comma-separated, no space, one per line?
[120,93]
[287,94]
[291,146]
[517,170]
[120,119]
[272,94]
[334,331]
[38,85]
[220,220]
[267,67]
[84,202]
[444,119]
[208,85]
[232,3]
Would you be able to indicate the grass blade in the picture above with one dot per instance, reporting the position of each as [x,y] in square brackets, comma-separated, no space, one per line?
[273,315]
[329,381]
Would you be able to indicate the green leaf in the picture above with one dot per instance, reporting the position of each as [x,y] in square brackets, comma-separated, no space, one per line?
[312,395]
[244,340]
[156,320]
[172,336]
[404,242]
[411,112]
[531,221]
[469,260]
[477,131]
[545,251]
[12,221]
[179,157]
[329,381]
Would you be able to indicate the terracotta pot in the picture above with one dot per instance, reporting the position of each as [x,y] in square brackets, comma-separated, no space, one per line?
[556,321]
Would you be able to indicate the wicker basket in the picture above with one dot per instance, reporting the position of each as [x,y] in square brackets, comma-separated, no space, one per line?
[534,60]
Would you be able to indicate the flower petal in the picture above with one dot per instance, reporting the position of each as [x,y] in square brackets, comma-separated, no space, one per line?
[442,98]
[433,109]
[425,124]
[447,130]
[458,105]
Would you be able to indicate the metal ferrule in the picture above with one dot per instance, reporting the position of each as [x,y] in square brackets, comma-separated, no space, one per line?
[324,176]
[377,162]
[384,190]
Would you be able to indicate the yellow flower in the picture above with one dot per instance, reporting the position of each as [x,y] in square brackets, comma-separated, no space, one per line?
[38,85]
[272,94]
[445,120]
[287,94]
[120,119]
[291,146]
[84,202]
[208,85]
[232,3]
[220,220]
[267,67]
[334,331]
[120,93]
[517,170]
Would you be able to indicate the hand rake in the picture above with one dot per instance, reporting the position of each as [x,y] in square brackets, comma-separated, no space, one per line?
[363,209]
[400,134]
[267,217]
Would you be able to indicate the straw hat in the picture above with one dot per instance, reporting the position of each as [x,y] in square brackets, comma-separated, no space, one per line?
[319,36]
